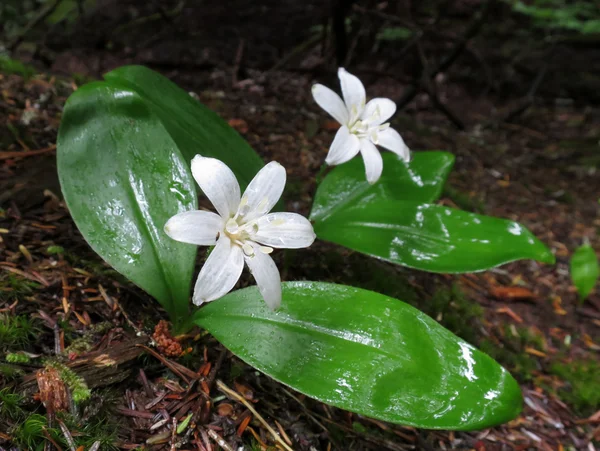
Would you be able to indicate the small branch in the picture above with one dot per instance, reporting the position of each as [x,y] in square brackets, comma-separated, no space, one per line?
[219,440]
[44,12]
[237,62]
[229,392]
[472,30]
[524,106]
[339,12]
[306,45]
[429,85]
[26,153]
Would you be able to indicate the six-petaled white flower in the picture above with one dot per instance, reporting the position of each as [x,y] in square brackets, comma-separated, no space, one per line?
[363,125]
[244,230]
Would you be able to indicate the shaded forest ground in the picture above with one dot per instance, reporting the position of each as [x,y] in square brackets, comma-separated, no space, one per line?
[523,125]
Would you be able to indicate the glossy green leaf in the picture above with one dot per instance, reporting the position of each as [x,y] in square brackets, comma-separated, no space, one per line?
[194,128]
[430,237]
[584,270]
[367,353]
[422,180]
[123,177]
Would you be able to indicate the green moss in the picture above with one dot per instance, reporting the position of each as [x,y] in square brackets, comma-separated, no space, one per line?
[15,331]
[520,364]
[582,391]
[87,431]
[13,287]
[30,433]
[455,312]
[79,389]
[10,372]
[17,358]
[511,352]
[10,405]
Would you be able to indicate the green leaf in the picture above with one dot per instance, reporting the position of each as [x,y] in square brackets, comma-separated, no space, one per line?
[422,180]
[194,128]
[367,353]
[123,177]
[584,270]
[430,237]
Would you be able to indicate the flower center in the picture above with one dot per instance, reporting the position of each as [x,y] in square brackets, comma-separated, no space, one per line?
[364,129]
[242,235]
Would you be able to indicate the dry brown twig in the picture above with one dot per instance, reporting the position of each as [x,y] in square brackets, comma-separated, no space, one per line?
[229,392]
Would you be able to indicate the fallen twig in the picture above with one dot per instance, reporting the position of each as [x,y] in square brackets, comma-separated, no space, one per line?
[43,13]
[26,153]
[229,392]
[429,85]
[472,30]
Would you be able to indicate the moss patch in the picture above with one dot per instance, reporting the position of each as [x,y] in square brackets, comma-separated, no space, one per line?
[15,331]
[581,390]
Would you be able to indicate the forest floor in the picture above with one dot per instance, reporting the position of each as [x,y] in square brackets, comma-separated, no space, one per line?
[539,167]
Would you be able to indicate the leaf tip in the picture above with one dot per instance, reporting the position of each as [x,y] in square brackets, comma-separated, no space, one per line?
[546,256]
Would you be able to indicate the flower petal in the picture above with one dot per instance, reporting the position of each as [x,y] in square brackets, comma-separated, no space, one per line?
[219,184]
[391,140]
[284,230]
[195,227]
[378,110]
[372,159]
[263,192]
[220,273]
[353,92]
[266,274]
[344,147]
[330,102]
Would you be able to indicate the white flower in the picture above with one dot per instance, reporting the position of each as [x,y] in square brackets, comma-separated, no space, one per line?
[244,230]
[363,125]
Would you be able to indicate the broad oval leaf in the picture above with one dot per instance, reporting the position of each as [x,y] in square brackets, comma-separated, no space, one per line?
[584,270]
[123,177]
[195,128]
[367,353]
[430,237]
[422,180]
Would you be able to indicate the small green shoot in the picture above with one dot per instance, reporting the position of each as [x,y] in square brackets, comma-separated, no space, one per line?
[54,250]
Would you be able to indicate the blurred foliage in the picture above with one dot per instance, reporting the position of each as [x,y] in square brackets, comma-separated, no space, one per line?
[14,14]
[9,66]
[581,390]
[585,270]
[580,16]
[394,34]
[16,331]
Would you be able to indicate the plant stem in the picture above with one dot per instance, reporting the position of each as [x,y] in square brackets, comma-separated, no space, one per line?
[321,174]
